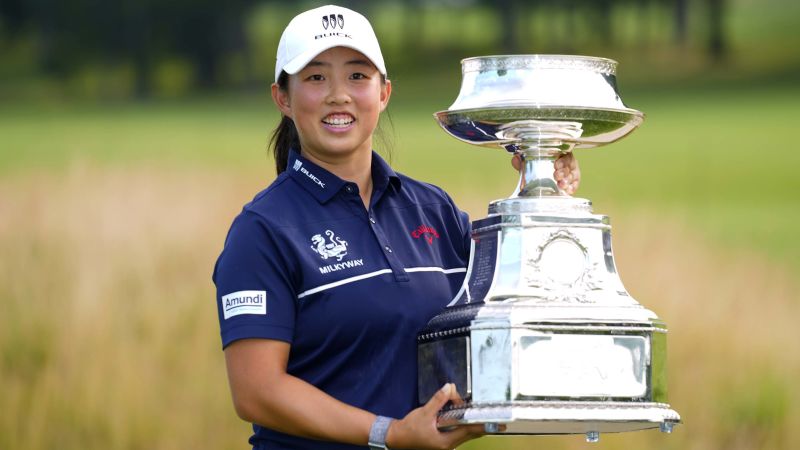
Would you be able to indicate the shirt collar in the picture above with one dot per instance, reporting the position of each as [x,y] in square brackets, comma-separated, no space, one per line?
[383,174]
[323,185]
[320,183]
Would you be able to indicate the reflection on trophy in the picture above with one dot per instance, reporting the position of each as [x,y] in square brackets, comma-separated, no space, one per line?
[543,337]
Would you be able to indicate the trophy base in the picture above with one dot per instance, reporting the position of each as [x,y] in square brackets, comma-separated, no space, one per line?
[562,417]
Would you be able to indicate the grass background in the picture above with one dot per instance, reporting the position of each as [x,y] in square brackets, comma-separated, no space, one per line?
[112,214]
[111,217]
[721,156]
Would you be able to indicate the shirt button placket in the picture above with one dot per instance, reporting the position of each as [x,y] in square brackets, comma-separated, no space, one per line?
[397,268]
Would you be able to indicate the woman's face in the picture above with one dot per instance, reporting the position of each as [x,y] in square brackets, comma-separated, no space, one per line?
[335,102]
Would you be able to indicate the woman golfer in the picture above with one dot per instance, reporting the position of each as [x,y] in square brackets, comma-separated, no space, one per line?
[329,273]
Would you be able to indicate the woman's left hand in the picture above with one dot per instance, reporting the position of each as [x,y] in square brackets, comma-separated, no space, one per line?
[567,173]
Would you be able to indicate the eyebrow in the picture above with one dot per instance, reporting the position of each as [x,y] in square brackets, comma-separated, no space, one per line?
[359,62]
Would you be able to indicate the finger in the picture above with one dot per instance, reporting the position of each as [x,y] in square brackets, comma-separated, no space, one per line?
[560,162]
[573,162]
[465,433]
[455,397]
[439,399]
[516,161]
[476,430]
[576,180]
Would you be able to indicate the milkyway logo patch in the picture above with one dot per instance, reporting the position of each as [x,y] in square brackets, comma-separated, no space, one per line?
[334,247]
[428,232]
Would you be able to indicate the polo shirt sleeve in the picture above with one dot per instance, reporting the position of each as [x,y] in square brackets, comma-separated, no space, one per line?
[464,225]
[255,297]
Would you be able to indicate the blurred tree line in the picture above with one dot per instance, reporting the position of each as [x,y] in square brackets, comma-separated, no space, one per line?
[210,37]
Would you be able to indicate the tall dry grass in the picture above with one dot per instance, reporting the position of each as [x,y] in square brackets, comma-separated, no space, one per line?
[108,332]
[109,339]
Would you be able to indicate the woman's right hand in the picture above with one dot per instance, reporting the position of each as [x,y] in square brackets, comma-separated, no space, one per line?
[417,430]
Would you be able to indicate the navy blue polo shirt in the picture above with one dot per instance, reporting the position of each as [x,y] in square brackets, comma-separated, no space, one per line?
[348,287]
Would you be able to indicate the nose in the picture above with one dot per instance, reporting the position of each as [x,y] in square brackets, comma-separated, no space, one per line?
[338,93]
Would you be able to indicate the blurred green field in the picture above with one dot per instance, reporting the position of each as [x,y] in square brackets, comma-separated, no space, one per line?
[720,158]
[111,216]
[112,213]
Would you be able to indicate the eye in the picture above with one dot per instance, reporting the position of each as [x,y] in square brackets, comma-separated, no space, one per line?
[359,76]
[315,77]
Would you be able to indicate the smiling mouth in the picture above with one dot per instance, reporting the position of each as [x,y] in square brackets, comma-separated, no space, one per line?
[339,120]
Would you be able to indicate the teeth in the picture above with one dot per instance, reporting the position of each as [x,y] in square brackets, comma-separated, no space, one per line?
[339,121]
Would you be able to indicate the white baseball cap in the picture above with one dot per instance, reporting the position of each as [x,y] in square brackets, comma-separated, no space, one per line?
[316,30]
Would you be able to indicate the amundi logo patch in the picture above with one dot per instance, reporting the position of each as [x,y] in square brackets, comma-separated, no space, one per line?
[244,302]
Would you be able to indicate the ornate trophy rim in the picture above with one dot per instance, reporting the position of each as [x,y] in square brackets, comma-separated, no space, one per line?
[596,64]
[598,126]
[527,105]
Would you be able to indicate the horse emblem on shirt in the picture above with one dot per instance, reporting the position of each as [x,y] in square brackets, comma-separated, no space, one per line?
[334,247]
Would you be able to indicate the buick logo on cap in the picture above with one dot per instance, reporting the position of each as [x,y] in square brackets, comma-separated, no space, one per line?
[333,21]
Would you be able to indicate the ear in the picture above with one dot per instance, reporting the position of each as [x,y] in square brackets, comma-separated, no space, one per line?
[281,99]
[386,92]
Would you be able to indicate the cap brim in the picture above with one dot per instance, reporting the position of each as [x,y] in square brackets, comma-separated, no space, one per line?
[300,61]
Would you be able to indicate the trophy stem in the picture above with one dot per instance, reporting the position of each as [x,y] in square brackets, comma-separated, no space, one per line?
[536,174]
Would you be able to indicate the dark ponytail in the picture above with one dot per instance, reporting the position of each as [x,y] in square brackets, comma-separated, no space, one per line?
[284,137]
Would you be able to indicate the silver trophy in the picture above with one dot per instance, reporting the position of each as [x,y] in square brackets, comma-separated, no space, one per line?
[543,337]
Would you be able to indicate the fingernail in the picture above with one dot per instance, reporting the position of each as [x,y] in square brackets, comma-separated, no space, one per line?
[446,388]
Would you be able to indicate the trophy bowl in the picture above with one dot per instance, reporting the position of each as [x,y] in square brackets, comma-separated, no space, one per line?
[543,338]
[539,106]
